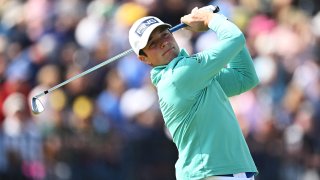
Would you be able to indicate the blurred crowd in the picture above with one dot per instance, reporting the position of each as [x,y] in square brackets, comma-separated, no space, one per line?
[107,124]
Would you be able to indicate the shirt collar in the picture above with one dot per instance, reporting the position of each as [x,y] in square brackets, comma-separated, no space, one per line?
[157,71]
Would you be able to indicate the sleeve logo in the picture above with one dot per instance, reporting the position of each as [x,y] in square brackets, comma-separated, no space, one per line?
[144,25]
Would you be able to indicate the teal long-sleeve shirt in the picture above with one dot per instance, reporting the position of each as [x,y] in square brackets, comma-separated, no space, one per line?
[193,96]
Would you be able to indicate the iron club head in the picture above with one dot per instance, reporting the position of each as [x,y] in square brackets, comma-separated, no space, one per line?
[36,106]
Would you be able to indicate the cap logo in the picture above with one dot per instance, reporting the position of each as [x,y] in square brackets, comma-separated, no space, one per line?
[144,25]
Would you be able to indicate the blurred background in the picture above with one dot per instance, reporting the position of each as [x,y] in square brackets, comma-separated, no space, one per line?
[107,125]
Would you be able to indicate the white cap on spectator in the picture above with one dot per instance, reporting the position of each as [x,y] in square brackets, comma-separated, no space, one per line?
[137,100]
[13,103]
[141,30]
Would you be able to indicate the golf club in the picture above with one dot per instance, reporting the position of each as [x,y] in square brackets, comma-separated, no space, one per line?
[36,105]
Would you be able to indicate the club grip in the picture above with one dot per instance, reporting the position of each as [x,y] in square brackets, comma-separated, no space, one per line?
[214,9]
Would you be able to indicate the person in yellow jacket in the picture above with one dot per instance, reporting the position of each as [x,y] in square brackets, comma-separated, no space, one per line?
[193,93]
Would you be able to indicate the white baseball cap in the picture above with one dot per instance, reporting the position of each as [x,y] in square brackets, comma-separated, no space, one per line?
[141,30]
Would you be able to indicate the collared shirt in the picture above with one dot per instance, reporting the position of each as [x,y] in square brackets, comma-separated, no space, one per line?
[193,96]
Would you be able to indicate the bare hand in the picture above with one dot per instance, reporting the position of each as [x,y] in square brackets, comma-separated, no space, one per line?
[197,20]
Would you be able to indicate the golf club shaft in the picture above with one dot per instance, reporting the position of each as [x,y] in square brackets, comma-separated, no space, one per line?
[173,29]
[214,9]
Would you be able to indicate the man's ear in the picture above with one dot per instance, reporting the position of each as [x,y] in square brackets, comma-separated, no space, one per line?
[144,59]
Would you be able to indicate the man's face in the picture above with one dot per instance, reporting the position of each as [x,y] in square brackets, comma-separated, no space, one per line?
[161,47]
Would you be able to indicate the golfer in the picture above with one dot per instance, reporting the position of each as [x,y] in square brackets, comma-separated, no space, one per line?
[193,94]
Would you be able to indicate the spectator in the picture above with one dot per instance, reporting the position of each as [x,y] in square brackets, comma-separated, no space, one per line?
[22,140]
[50,40]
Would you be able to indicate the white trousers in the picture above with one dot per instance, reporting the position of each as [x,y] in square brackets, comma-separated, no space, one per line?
[240,176]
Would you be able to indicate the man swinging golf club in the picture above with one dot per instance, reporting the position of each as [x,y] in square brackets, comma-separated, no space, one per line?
[193,94]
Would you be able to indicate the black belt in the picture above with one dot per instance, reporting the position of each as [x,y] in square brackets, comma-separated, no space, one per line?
[248,174]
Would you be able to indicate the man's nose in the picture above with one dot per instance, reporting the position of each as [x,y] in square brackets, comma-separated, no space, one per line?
[163,44]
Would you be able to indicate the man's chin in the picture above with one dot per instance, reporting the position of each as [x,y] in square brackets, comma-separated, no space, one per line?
[171,54]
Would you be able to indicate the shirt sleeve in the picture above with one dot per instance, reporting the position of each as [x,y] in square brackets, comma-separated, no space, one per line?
[240,74]
[197,72]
